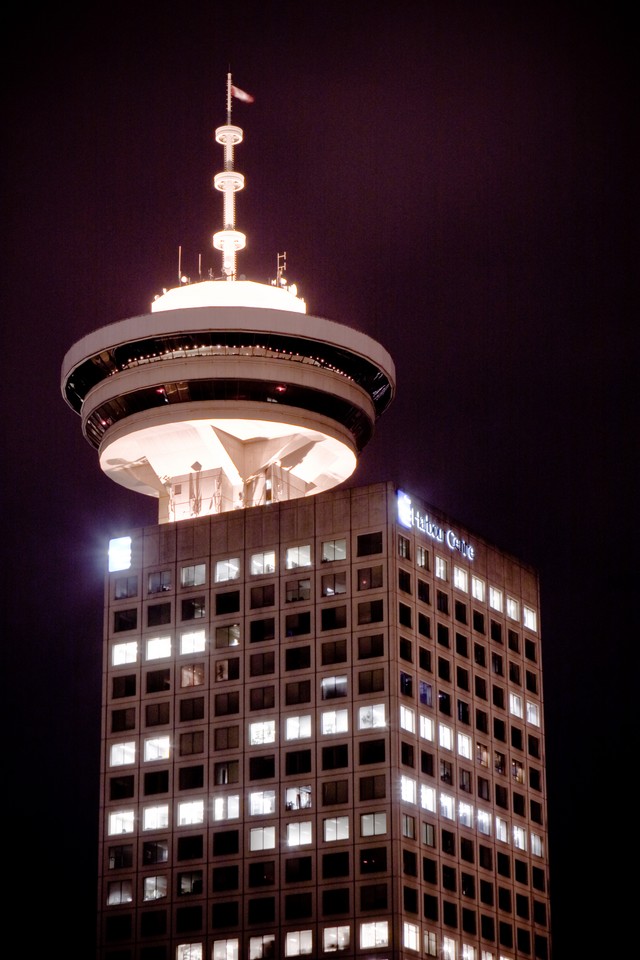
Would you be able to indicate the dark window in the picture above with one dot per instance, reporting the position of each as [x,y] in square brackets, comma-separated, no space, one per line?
[226,703]
[125,620]
[124,686]
[121,856]
[262,698]
[371,611]
[227,602]
[495,631]
[370,646]
[481,687]
[333,865]
[486,892]
[424,625]
[478,621]
[487,927]
[426,763]
[225,878]
[153,923]
[530,650]
[298,691]
[335,756]
[480,654]
[227,771]
[262,596]
[499,729]
[425,693]
[262,910]
[516,738]
[442,633]
[514,672]
[462,678]
[406,684]
[503,864]
[449,842]
[297,624]
[538,879]
[335,791]
[504,899]
[158,681]
[334,651]
[261,663]
[298,658]
[226,843]
[333,618]
[450,914]
[460,611]
[298,869]
[424,659]
[429,870]
[191,848]
[404,581]
[513,640]
[123,719]
[297,905]
[498,697]
[157,781]
[335,901]
[467,850]
[444,669]
[468,920]
[121,787]
[502,796]
[485,857]
[192,708]
[442,601]
[410,899]
[260,630]
[430,907]
[496,664]
[227,669]
[409,863]
[298,590]
[449,878]
[482,721]
[373,859]
[155,851]
[369,578]
[193,608]
[372,751]
[531,680]
[423,591]
[444,703]
[334,584]
[368,544]
[227,738]
[189,883]
[157,713]
[262,768]
[158,613]
[371,681]
[406,754]
[521,871]
[191,742]
[373,788]
[297,761]
[224,915]
[262,873]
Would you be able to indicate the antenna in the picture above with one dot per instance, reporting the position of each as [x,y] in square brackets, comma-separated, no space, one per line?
[229,182]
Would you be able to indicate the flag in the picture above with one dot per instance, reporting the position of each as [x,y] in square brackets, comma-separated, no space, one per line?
[241,95]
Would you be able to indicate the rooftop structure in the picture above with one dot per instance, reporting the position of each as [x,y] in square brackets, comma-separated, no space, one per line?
[227,393]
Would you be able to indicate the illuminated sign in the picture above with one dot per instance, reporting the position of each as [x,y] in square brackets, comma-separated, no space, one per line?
[119,554]
[410,516]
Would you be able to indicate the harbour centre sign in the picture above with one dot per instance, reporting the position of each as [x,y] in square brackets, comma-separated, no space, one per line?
[410,516]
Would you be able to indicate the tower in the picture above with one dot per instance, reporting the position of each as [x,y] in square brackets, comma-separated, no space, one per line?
[322,707]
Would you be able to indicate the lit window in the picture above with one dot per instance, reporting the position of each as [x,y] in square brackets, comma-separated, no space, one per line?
[124,653]
[227,570]
[519,838]
[468,952]
[461,579]
[331,687]
[501,830]
[262,946]
[335,939]
[408,719]
[477,589]
[119,891]
[374,934]
[371,716]
[445,736]
[334,550]
[465,814]
[515,705]
[335,828]
[262,802]
[190,811]
[495,598]
[158,647]
[407,789]
[430,943]
[533,713]
[299,833]
[483,820]
[298,798]
[427,798]
[422,558]
[193,575]
[262,838]
[536,845]
[298,943]
[226,806]
[154,888]
[264,562]
[262,732]
[159,581]
[513,611]
[121,821]
[119,554]
[441,568]
[530,619]
[157,748]
[335,721]
[373,824]
[447,806]
[192,675]
[482,754]
[122,753]
[297,557]
[156,817]
[465,745]
[228,636]
[426,728]
[410,936]
[189,951]
[225,949]
[449,948]
[297,728]
[192,642]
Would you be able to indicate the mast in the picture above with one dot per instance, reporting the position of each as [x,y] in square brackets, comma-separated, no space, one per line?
[229,182]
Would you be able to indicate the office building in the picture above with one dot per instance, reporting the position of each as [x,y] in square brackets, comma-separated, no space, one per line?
[322,705]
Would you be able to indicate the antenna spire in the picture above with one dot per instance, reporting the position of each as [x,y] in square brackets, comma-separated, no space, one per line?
[229,240]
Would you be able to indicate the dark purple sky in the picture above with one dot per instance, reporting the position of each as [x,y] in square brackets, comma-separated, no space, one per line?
[455,179]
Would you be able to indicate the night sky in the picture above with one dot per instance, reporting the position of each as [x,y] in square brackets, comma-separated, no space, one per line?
[454,179]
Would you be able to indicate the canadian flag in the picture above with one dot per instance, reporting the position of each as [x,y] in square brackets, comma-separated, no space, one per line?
[241,95]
